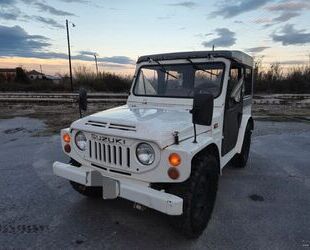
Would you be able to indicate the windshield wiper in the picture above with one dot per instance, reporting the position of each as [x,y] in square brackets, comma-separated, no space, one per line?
[162,68]
[198,68]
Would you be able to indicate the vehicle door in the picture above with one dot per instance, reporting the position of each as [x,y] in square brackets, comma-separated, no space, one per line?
[233,108]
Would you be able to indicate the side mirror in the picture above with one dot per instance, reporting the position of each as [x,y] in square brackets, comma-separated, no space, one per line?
[203,109]
[82,100]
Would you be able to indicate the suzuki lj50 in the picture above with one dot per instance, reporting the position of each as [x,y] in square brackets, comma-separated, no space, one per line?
[187,116]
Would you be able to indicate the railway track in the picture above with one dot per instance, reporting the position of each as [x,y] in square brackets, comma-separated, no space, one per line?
[60,97]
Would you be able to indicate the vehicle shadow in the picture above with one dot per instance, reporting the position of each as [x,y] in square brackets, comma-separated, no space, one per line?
[93,223]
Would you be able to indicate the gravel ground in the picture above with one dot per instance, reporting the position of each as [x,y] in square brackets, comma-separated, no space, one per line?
[265,206]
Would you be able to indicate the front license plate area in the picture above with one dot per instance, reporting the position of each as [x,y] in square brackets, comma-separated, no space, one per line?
[110,188]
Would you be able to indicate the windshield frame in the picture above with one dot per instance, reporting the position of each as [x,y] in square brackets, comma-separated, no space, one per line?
[176,64]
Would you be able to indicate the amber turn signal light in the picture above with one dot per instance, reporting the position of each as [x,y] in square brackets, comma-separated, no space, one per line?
[173,173]
[174,159]
[66,137]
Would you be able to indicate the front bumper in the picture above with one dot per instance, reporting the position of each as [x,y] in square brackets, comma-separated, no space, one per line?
[112,188]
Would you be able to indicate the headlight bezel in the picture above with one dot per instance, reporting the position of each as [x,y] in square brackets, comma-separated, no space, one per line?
[150,148]
[80,134]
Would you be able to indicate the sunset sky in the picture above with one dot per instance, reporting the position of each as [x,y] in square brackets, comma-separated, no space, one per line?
[32,32]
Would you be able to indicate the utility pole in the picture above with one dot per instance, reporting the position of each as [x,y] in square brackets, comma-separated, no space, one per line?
[41,69]
[96,64]
[69,54]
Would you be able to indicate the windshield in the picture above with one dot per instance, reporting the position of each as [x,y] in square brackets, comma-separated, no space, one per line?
[181,80]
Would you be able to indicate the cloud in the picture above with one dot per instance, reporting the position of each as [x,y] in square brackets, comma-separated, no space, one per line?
[289,6]
[226,38]
[89,56]
[263,20]
[289,35]
[9,14]
[48,21]
[7,2]
[231,10]
[87,53]
[74,1]
[186,4]
[286,9]
[285,16]
[257,49]
[14,14]
[16,42]
[117,59]
[48,8]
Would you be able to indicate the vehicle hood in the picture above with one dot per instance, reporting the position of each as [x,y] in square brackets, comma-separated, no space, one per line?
[148,123]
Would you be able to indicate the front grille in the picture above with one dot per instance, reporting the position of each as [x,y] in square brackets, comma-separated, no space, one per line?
[109,154]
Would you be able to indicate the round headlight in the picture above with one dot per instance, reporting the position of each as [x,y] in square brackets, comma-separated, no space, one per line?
[145,154]
[80,141]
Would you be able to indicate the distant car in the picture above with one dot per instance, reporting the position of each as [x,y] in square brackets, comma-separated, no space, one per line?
[188,115]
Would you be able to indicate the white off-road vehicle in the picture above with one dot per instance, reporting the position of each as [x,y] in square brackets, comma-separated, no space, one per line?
[187,116]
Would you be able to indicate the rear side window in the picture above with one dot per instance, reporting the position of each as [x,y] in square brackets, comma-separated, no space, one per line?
[248,82]
[234,89]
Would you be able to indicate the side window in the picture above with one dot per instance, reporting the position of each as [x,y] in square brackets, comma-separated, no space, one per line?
[209,79]
[248,82]
[234,90]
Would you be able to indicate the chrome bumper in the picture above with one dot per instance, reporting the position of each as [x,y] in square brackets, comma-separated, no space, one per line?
[112,188]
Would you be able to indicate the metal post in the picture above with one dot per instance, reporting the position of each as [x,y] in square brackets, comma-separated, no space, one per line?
[96,63]
[69,54]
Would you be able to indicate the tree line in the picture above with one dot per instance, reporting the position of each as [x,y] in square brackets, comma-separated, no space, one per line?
[277,79]
[273,79]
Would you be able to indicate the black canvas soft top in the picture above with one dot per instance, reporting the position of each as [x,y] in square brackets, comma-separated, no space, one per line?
[235,55]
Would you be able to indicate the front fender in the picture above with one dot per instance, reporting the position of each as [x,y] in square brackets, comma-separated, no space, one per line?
[190,149]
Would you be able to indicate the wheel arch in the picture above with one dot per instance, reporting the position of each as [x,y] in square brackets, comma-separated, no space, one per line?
[210,149]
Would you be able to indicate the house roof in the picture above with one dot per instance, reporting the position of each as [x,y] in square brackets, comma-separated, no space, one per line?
[229,54]
[34,72]
[8,70]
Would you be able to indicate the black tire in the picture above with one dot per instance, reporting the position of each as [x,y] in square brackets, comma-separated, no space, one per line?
[93,192]
[199,195]
[240,160]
